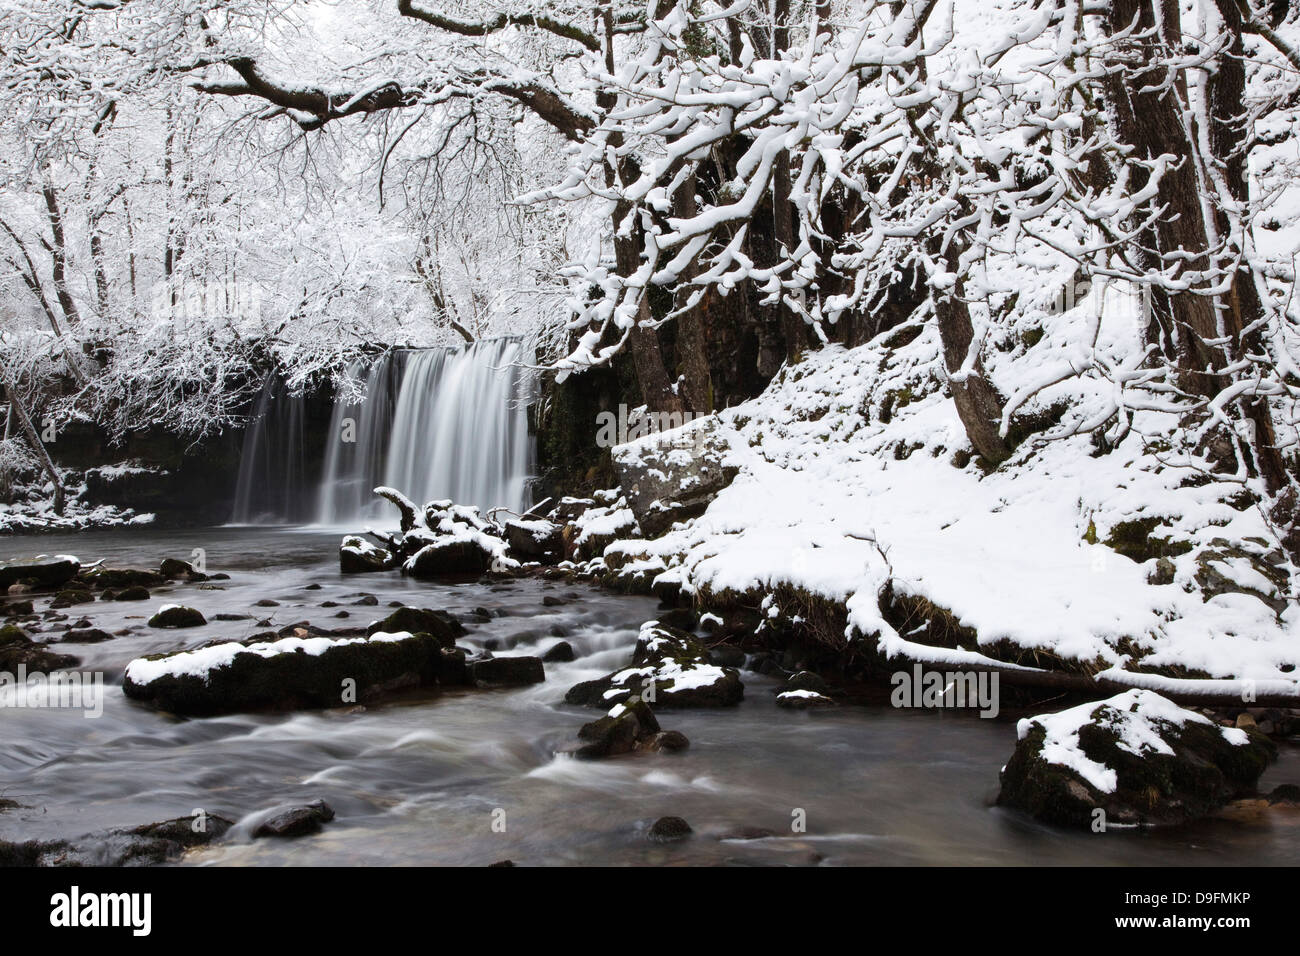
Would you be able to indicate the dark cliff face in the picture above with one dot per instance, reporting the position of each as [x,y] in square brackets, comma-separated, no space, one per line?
[183,481]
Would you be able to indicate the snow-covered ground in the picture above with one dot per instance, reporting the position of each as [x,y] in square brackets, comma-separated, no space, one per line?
[854,473]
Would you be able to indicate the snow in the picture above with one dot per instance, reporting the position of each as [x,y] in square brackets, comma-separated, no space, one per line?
[204,660]
[824,503]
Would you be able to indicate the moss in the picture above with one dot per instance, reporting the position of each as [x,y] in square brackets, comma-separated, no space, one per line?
[894,400]
[1031,337]
[1135,540]
[1203,772]
[1091,534]
[1026,424]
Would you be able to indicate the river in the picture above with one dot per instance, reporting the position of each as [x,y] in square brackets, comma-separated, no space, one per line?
[471,777]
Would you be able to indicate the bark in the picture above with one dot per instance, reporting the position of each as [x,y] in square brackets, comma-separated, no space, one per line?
[1243,309]
[978,403]
[1152,95]
[657,390]
[792,325]
[34,439]
[59,255]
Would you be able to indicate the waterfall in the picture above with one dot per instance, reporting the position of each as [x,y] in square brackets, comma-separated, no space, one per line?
[357,444]
[272,484]
[434,423]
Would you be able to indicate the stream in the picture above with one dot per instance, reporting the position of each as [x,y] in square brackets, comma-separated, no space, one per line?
[470,777]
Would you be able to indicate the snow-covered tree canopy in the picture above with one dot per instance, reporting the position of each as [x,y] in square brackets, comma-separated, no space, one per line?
[645,178]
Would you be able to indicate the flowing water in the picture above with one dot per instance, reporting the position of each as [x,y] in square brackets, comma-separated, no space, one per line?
[273,464]
[432,423]
[435,423]
[423,781]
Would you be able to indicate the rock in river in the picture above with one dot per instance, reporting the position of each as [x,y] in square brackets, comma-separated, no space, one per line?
[669,668]
[177,615]
[16,648]
[1137,758]
[296,821]
[507,671]
[314,671]
[357,556]
[40,572]
[438,623]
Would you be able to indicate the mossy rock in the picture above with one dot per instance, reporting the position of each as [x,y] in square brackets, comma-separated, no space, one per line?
[669,668]
[117,578]
[1135,540]
[177,615]
[18,649]
[416,620]
[628,724]
[507,671]
[447,559]
[41,572]
[72,597]
[359,556]
[294,679]
[1194,772]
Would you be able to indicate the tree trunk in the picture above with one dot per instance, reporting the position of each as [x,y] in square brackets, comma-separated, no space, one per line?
[34,439]
[978,403]
[1226,89]
[1153,97]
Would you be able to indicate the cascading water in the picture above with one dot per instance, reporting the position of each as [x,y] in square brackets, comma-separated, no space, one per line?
[358,440]
[273,465]
[450,424]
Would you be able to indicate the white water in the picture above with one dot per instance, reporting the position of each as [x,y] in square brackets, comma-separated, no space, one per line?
[435,423]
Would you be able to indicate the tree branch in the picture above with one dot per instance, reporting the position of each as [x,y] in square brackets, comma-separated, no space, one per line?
[568,31]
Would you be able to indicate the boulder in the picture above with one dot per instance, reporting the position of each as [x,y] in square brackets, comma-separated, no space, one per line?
[569,509]
[625,728]
[116,578]
[172,568]
[149,845]
[670,829]
[540,541]
[135,592]
[177,615]
[296,821]
[359,556]
[805,680]
[599,527]
[1225,568]
[448,557]
[673,475]
[87,635]
[802,700]
[558,653]
[40,572]
[283,673]
[1137,758]
[507,671]
[670,668]
[17,649]
[17,609]
[71,597]
[416,620]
